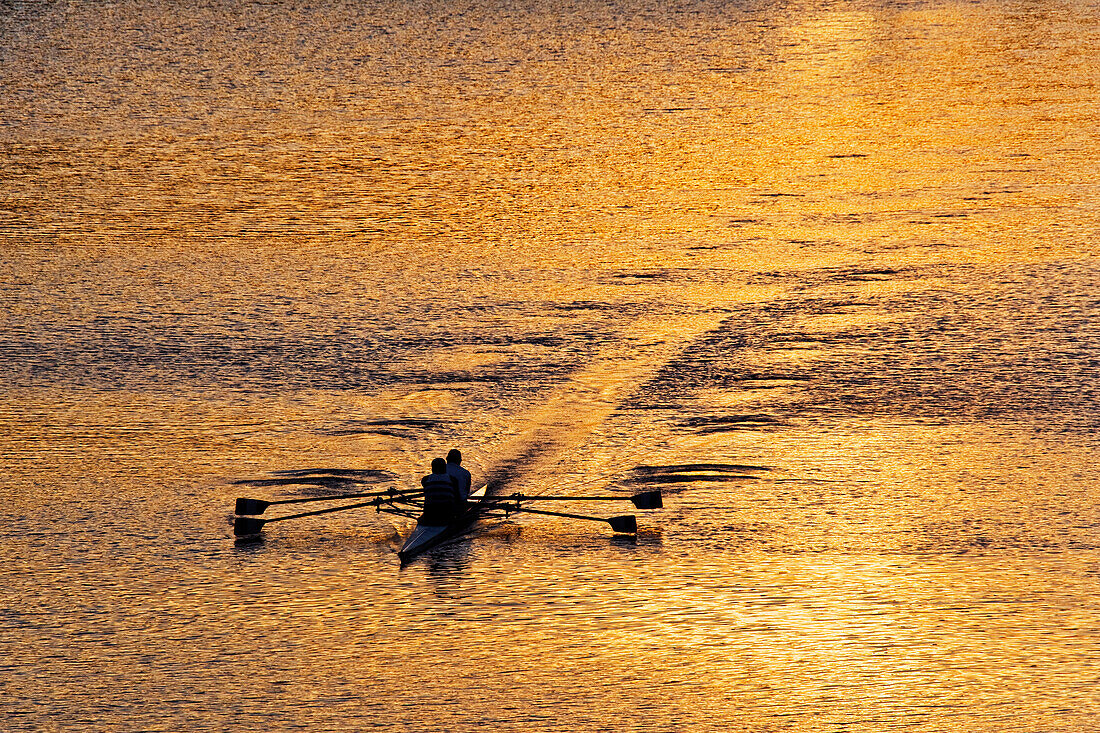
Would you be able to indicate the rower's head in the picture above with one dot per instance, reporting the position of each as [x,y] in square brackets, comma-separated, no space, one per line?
[455,457]
[439,466]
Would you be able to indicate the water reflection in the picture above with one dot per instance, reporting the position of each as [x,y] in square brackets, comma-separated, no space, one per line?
[452,559]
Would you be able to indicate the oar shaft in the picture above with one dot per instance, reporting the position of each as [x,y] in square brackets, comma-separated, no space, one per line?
[338,497]
[372,502]
[645,500]
[250,526]
[525,510]
[557,514]
[625,525]
[245,505]
[525,497]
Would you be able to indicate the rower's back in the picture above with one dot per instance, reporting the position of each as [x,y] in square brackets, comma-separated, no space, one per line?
[460,474]
[441,495]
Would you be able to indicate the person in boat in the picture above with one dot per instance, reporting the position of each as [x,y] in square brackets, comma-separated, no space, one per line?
[441,502]
[454,468]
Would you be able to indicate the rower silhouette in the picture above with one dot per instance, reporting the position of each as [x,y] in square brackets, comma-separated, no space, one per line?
[460,474]
[441,496]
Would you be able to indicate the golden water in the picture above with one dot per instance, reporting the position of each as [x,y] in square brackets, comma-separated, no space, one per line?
[842,255]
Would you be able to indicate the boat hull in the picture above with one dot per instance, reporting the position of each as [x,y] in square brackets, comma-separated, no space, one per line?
[426,536]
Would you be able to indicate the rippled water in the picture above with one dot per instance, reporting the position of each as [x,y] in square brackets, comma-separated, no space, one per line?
[823,272]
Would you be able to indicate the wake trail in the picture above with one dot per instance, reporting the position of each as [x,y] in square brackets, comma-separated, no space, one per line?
[578,407]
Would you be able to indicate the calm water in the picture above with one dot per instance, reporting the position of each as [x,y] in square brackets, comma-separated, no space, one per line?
[825,272]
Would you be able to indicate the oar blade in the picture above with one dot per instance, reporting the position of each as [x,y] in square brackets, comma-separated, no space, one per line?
[247,526]
[624,525]
[647,500]
[250,506]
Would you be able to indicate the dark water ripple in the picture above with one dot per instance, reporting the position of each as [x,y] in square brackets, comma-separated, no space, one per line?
[1018,348]
[161,352]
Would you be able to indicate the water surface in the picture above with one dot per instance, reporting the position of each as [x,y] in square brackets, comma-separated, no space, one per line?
[823,272]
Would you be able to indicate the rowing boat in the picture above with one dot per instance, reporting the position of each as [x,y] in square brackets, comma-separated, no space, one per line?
[427,536]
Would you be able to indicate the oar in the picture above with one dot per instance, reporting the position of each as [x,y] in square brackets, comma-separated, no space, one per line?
[645,500]
[622,525]
[246,526]
[258,506]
